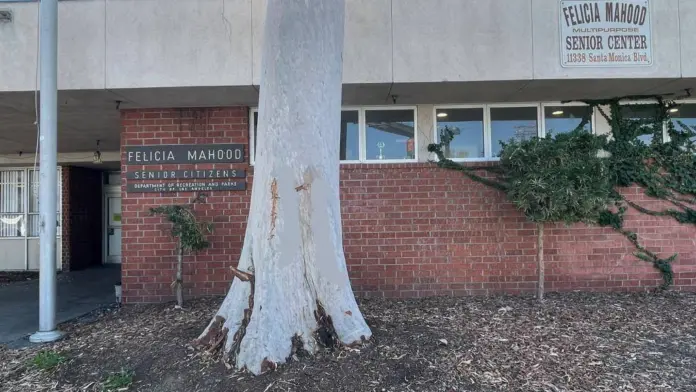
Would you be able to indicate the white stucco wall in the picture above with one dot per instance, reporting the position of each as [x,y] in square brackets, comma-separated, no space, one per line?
[120,44]
[665,49]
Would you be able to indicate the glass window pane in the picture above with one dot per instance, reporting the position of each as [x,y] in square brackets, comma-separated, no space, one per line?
[562,119]
[12,191]
[390,134]
[467,126]
[34,225]
[512,123]
[34,191]
[641,112]
[685,114]
[350,145]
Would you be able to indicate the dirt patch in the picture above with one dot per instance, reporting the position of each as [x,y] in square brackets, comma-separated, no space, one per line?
[574,342]
[20,276]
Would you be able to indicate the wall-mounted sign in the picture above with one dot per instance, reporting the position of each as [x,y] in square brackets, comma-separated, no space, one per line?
[195,174]
[184,154]
[603,33]
[186,186]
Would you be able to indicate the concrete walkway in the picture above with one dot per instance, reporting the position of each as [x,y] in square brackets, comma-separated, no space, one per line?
[79,292]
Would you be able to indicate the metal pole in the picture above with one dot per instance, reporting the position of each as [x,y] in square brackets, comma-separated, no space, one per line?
[48,171]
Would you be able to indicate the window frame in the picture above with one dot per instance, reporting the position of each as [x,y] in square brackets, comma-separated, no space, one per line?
[361,130]
[27,202]
[536,105]
[487,123]
[679,102]
[486,130]
[665,135]
[544,105]
[363,139]
[362,134]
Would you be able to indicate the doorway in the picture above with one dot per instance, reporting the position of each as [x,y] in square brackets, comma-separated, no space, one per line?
[113,228]
[112,218]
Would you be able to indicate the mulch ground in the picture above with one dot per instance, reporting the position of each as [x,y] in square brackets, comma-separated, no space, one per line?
[573,342]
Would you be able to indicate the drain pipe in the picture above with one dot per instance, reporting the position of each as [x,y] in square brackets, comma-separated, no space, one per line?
[48,173]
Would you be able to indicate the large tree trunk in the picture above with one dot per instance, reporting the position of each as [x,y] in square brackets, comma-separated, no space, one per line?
[292,285]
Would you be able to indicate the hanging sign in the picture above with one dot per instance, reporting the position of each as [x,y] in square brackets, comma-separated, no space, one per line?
[184,154]
[602,33]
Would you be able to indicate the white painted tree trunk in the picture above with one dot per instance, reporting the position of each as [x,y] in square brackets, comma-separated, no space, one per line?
[293,248]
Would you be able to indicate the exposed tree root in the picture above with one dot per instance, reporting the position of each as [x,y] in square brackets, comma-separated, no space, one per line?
[216,336]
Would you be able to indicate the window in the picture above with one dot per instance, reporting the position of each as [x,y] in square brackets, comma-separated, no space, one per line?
[12,191]
[686,114]
[390,134]
[19,202]
[519,123]
[467,127]
[478,130]
[369,134]
[641,112]
[563,119]
[350,135]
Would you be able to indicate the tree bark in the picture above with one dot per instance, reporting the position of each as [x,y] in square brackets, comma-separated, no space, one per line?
[540,260]
[180,275]
[291,287]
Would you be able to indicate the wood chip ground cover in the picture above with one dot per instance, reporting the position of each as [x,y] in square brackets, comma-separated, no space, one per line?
[573,342]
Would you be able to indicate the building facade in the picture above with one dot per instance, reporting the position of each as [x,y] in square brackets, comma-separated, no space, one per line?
[139,79]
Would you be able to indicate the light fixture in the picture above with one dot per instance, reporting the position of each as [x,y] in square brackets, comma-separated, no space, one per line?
[442,114]
[673,110]
[557,112]
[97,156]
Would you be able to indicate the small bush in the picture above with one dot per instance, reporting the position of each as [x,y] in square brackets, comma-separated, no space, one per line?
[47,359]
[118,381]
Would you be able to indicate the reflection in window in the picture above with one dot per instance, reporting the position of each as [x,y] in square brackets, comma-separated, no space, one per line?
[685,114]
[518,123]
[467,127]
[350,134]
[563,119]
[642,112]
[390,134]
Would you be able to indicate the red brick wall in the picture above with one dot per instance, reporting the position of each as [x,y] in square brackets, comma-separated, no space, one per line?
[409,230]
[148,254]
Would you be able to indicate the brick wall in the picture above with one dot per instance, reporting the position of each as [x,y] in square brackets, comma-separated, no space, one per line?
[148,254]
[409,229]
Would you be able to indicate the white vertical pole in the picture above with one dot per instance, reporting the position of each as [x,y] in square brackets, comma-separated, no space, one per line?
[48,181]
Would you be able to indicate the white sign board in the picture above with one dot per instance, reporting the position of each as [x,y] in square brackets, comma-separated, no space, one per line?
[604,33]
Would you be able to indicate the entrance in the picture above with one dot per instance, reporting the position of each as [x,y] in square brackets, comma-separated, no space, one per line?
[112,204]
